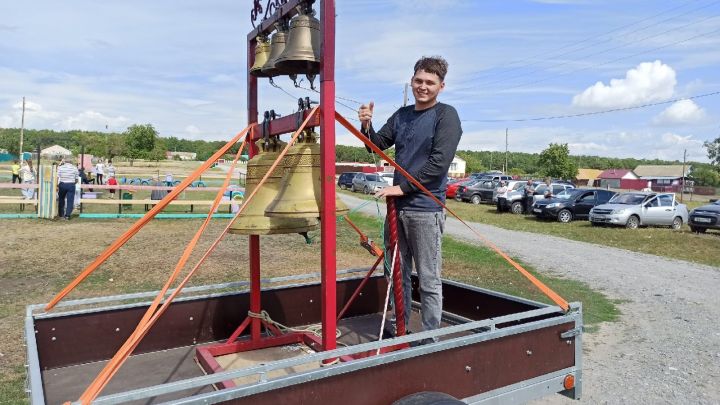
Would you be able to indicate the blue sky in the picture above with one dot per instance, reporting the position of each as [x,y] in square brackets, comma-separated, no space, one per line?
[180,66]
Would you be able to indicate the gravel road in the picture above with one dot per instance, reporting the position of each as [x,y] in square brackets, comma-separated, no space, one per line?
[666,346]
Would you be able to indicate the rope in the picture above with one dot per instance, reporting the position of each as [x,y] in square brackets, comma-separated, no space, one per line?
[539,284]
[315,329]
[397,278]
[385,308]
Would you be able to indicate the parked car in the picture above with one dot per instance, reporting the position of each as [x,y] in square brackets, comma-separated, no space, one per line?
[388,177]
[556,188]
[477,192]
[635,209]
[452,186]
[368,183]
[490,176]
[462,187]
[514,201]
[571,204]
[705,217]
[345,180]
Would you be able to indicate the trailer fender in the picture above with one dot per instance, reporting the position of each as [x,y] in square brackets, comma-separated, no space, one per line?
[428,398]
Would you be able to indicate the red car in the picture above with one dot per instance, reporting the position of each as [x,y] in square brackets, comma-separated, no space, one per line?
[452,187]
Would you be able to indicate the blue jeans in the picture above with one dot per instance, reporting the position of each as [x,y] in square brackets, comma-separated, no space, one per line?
[66,199]
[420,246]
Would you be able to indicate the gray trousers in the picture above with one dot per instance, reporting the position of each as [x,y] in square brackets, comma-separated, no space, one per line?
[420,246]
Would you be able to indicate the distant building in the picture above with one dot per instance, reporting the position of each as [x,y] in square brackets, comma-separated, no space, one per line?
[612,178]
[55,152]
[180,155]
[457,167]
[587,177]
[344,167]
[663,177]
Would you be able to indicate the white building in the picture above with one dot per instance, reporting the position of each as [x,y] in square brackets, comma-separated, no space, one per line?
[457,167]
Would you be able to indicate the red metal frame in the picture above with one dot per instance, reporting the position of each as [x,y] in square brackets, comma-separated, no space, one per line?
[326,122]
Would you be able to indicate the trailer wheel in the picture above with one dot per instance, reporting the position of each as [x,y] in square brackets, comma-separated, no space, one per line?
[428,398]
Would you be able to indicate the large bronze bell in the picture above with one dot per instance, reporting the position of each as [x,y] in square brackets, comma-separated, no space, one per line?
[277,46]
[302,50]
[252,221]
[262,53]
[299,195]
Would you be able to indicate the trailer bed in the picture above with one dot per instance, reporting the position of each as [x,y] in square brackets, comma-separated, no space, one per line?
[492,346]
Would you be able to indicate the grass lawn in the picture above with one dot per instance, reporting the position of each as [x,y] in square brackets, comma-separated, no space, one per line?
[684,245]
[41,257]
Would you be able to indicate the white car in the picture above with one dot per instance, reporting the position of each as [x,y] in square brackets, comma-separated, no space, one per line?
[635,209]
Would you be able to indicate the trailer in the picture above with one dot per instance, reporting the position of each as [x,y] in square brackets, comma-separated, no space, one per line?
[492,348]
[322,340]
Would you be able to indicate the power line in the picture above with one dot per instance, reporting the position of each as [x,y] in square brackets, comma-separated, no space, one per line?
[602,51]
[604,63]
[555,117]
[544,54]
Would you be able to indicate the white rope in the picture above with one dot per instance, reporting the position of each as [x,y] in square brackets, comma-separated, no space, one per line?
[314,329]
[387,300]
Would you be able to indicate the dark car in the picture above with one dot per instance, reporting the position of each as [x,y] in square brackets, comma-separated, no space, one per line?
[705,217]
[345,180]
[571,204]
[480,191]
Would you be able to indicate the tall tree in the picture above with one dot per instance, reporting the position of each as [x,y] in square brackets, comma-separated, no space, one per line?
[713,148]
[555,161]
[139,141]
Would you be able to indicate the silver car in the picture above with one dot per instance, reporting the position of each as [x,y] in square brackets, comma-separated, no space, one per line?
[635,209]
[368,183]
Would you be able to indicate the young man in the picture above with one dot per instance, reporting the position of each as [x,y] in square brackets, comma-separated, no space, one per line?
[425,136]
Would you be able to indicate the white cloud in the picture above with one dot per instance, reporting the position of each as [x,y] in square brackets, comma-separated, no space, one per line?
[192,130]
[648,82]
[92,121]
[681,112]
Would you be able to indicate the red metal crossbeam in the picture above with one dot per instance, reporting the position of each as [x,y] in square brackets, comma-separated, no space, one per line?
[285,125]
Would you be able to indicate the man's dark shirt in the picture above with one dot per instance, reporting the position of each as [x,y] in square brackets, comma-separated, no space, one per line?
[425,144]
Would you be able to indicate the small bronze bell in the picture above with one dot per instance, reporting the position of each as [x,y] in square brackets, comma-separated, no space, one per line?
[299,195]
[252,221]
[277,46]
[302,50]
[262,53]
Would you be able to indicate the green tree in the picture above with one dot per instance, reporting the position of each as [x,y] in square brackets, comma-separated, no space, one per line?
[706,176]
[713,148]
[555,162]
[139,141]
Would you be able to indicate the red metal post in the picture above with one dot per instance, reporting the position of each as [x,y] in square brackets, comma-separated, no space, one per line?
[327,173]
[255,303]
[397,278]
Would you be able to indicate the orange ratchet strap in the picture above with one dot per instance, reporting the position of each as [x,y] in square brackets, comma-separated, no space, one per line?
[539,284]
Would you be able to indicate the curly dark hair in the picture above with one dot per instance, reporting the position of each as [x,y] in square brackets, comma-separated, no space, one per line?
[432,64]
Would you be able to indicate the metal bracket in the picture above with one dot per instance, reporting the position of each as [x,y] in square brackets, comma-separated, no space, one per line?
[571,333]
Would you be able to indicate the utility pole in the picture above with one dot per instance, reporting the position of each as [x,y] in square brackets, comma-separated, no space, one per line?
[682,190]
[405,95]
[22,132]
[506,151]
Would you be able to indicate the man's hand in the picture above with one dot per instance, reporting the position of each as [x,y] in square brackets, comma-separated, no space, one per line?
[393,191]
[365,114]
